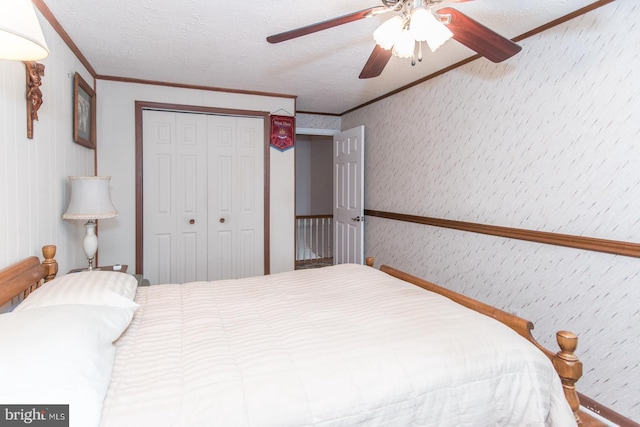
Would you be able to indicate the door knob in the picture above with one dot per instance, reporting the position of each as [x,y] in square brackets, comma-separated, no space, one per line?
[192,221]
[221,220]
[358,218]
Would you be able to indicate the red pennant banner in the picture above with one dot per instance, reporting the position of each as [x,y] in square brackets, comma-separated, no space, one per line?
[283,130]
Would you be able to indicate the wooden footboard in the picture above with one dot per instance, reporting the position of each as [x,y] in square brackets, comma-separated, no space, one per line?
[565,362]
[27,275]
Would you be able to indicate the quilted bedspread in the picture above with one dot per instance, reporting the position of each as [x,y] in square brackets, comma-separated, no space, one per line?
[337,346]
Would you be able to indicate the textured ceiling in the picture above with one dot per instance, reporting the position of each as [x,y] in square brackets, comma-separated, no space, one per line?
[222,44]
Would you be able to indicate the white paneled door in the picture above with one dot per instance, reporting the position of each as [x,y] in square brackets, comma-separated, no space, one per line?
[199,201]
[348,206]
[236,198]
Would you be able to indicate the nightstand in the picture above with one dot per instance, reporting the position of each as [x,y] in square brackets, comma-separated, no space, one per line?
[123,269]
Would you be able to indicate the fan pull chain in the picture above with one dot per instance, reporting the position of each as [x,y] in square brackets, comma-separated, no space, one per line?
[413,58]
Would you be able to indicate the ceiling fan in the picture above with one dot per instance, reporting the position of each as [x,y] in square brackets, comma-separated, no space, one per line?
[413,22]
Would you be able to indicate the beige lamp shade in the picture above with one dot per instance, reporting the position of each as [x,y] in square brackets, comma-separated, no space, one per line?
[90,198]
[21,36]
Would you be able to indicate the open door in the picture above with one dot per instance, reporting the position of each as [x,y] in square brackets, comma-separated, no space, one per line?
[348,196]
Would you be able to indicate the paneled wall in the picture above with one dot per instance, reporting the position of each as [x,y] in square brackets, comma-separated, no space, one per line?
[547,141]
[33,172]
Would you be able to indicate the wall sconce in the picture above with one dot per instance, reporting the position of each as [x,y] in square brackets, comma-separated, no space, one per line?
[35,71]
[21,39]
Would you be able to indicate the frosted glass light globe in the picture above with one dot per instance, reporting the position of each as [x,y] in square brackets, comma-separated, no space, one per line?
[425,26]
[387,33]
[405,45]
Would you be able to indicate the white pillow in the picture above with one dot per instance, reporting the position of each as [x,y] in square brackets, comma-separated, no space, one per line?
[60,355]
[107,288]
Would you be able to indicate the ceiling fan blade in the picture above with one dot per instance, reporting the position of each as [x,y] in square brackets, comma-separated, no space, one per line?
[319,26]
[479,38]
[376,63]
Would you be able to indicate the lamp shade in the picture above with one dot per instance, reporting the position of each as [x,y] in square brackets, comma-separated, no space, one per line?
[90,198]
[21,37]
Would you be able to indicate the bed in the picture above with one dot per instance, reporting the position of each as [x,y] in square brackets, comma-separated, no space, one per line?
[337,346]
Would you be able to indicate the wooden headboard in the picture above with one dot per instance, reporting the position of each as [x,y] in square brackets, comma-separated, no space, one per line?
[27,275]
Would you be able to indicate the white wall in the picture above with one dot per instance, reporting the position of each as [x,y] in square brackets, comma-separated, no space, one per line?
[116,157]
[33,172]
[546,141]
[303,176]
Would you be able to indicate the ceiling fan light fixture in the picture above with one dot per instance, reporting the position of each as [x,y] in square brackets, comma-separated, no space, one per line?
[414,21]
[405,45]
[387,33]
[425,26]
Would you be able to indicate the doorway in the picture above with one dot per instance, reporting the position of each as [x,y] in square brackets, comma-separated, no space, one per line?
[314,200]
[330,174]
[212,227]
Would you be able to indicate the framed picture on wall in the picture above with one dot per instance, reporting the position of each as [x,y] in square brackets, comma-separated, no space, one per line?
[84,113]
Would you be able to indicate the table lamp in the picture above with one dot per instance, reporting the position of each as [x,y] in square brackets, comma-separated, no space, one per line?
[90,200]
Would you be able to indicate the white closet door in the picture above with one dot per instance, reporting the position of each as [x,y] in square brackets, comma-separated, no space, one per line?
[236,197]
[203,197]
[174,197]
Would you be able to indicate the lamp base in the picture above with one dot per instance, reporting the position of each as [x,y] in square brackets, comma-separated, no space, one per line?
[90,242]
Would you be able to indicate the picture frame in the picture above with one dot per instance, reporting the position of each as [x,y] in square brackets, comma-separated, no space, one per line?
[84,113]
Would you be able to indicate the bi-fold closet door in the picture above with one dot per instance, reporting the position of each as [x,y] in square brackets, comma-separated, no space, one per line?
[203,196]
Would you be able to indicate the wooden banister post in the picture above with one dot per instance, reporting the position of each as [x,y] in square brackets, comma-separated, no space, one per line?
[569,368]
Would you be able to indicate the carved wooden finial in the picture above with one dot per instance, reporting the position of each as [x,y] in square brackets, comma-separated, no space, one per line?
[35,71]
[49,252]
[369,261]
[569,368]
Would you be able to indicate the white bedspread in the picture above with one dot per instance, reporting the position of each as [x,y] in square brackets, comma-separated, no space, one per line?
[336,346]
